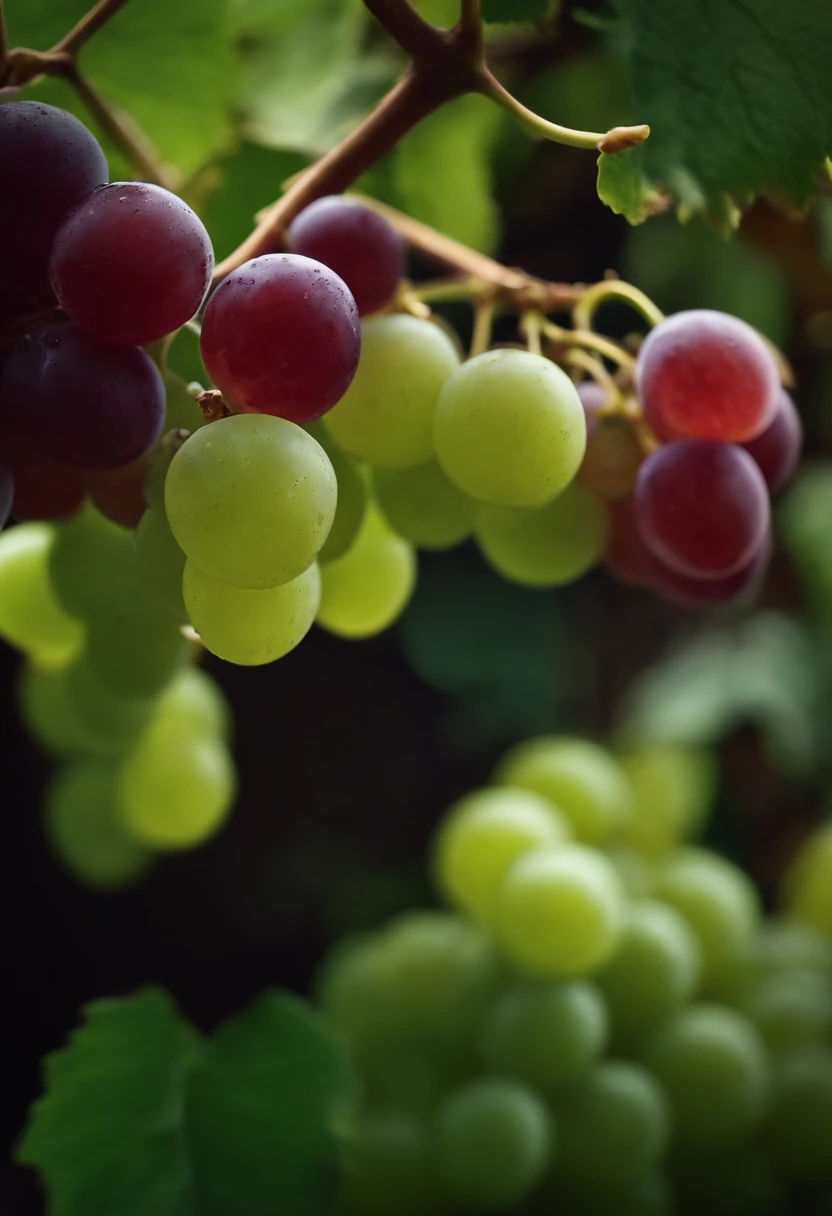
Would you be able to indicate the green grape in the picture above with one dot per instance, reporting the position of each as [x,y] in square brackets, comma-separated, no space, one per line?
[559,912]
[546,547]
[251,499]
[509,429]
[194,699]
[637,875]
[31,618]
[367,589]
[807,888]
[113,722]
[90,563]
[251,627]
[493,1142]
[386,415]
[672,791]
[580,778]
[792,1011]
[423,506]
[48,715]
[714,1069]
[654,971]
[84,830]
[613,1123]
[799,1125]
[181,409]
[160,564]
[411,1075]
[389,1167]
[741,1183]
[158,462]
[547,1034]
[649,1195]
[719,903]
[356,997]
[783,946]
[135,649]
[482,834]
[175,788]
[352,496]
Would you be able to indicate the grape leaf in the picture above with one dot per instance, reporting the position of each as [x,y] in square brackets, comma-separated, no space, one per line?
[142,1117]
[623,186]
[514,10]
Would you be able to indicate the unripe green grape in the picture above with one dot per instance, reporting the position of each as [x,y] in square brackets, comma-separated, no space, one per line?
[559,912]
[251,627]
[31,618]
[386,415]
[424,506]
[799,1124]
[352,496]
[389,1168]
[49,716]
[482,834]
[160,564]
[84,830]
[546,1034]
[637,875]
[493,1142]
[90,563]
[114,722]
[251,500]
[714,1069]
[509,429]
[546,547]
[367,589]
[792,1011]
[134,648]
[672,788]
[807,887]
[194,699]
[580,778]
[356,997]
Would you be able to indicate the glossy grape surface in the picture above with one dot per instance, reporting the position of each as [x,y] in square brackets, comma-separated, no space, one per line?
[777,449]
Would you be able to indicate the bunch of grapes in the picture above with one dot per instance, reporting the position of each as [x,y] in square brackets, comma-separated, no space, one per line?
[605,1023]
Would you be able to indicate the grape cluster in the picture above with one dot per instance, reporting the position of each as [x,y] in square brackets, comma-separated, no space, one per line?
[605,1022]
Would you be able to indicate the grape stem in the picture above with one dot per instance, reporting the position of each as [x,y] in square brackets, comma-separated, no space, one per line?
[613,289]
[72,42]
[589,340]
[483,322]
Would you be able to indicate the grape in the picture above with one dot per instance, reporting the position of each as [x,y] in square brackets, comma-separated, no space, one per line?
[251,627]
[594,398]
[713,1067]
[626,555]
[134,649]
[702,508]
[250,500]
[160,564]
[31,618]
[368,588]
[193,699]
[482,834]
[48,161]
[119,493]
[719,903]
[131,263]
[176,787]
[559,912]
[637,874]
[688,592]
[777,449]
[792,1014]
[84,830]
[87,403]
[389,1168]
[354,241]
[114,722]
[733,1183]
[799,1126]
[91,564]
[654,972]
[582,779]
[413,1075]
[783,946]
[546,547]
[6,492]
[510,429]
[672,790]
[386,416]
[423,506]
[493,1142]
[358,1000]
[352,497]
[649,1195]
[614,1123]
[43,488]
[706,375]
[48,715]
[281,335]
[181,410]
[807,889]
[544,1034]
[612,459]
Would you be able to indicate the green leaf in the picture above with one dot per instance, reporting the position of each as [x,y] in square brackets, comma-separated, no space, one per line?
[738,95]
[624,188]
[250,180]
[805,520]
[514,10]
[142,1118]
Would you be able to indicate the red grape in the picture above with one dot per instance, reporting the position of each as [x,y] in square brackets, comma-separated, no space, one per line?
[48,161]
[709,592]
[707,375]
[702,508]
[86,403]
[119,493]
[43,489]
[625,555]
[281,336]
[593,398]
[777,449]
[354,241]
[612,458]
[131,263]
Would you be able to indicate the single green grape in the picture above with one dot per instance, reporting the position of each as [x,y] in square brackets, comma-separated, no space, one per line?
[113,721]
[251,499]
[509,429]
[582,779]
[482,834]
[31,617]
[358,1000]
[367,589]
[193,699]
[251,627]
[135,649]
[548,546]
[807,887]
[386,415]
[389,1168]
[791,1011]
[424,506]
[49,716]
[799,1124]
[672,789]
[352,496]
[90,563]
[160,564]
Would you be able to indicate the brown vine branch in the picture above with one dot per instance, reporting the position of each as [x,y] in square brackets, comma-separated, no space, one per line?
[72,42]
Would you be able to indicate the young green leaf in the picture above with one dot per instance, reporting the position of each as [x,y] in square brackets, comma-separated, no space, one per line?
[624,188]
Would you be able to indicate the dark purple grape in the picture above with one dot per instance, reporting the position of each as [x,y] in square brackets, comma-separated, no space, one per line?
[742,585]
[48,162]
[594,398]
[86,403]
[131,263]
[354,241]
[777,450]
[6,492]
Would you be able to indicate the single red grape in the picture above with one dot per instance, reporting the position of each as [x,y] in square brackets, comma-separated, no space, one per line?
[626,555]
[281,336]
[43,489]
[354,241]
[119,493]
[702,507]
[710,592]
[131,263]
[707,375]
[777,449]
[593,398]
